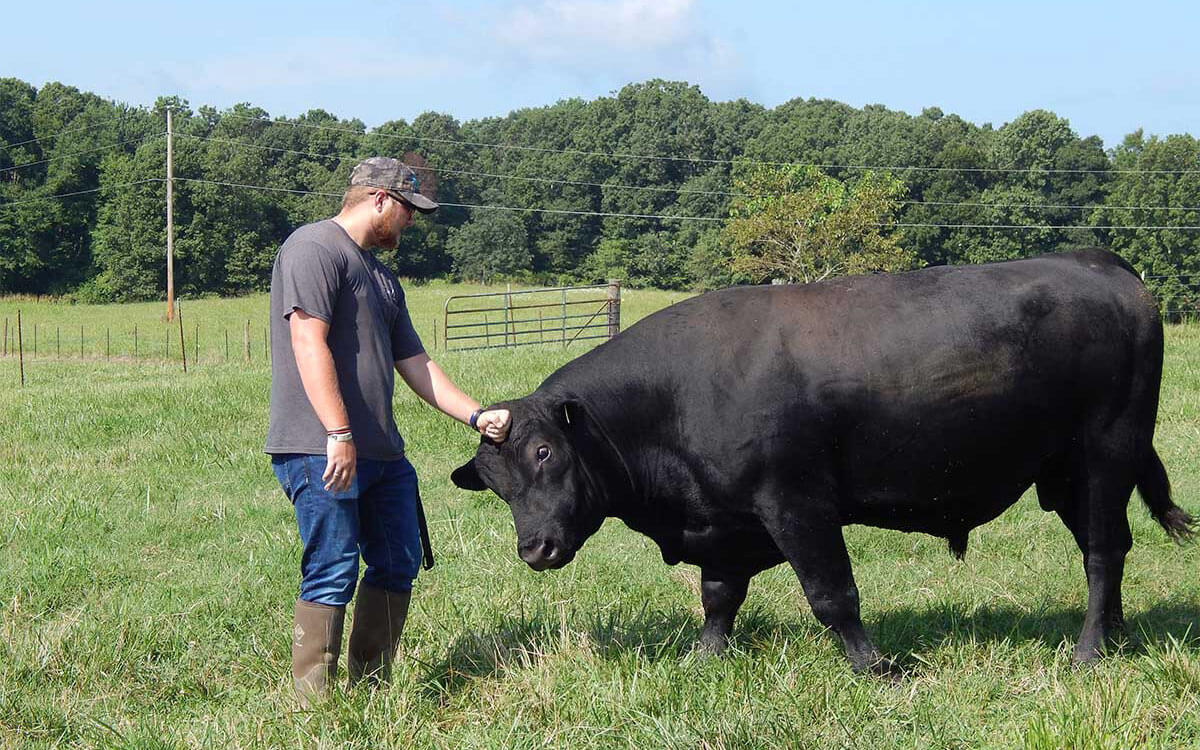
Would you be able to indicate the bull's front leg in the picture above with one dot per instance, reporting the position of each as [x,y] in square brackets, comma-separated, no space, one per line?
[811,540]
[721,595]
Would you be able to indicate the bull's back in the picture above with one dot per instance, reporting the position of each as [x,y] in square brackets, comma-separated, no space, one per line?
[911,388]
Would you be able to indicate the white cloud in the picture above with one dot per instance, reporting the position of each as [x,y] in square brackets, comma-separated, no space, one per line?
[559,30]
[293,65]
[306,64]
[629,39]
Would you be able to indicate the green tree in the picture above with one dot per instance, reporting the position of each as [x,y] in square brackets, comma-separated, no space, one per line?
[1156,184]
[1049,175]
[1006,208]
[129,238]
[492,244]
[55,178]
[654,259]
[798,224]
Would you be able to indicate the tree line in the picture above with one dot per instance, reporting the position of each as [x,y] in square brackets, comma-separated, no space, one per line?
[582,185]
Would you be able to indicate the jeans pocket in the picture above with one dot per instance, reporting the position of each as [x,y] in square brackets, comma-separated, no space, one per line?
[298,472]
[292,472]
[279,467]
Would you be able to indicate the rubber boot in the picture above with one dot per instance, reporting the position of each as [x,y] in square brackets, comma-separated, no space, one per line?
[316,643]
[378,622]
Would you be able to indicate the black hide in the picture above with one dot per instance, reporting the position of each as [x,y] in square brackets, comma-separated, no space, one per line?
[744,428]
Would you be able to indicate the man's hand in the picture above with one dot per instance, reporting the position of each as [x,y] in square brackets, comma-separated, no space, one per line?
[342,463]
[494,424]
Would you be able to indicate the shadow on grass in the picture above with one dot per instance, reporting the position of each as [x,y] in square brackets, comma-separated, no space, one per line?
[907,631]
[651,635]
[520,642]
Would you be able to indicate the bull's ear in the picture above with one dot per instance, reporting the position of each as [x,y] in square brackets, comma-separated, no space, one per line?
[571,415]
[467,477]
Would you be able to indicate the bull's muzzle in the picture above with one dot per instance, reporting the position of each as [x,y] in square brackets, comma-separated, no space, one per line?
[543,553]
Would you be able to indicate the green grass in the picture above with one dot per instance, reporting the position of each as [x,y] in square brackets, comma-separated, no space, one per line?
[148,563]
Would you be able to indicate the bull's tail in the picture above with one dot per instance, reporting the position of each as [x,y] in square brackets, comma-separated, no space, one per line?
[1155,489]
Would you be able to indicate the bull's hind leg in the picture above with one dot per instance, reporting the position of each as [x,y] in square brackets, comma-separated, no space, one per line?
[721,595]
[1097,518]
[1106,542]
[811,540]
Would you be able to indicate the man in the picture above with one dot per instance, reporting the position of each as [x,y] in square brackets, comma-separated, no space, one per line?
[338,326]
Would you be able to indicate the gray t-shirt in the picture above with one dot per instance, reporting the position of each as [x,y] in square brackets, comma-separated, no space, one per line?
[323,272]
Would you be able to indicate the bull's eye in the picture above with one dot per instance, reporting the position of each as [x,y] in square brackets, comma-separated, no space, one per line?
[543,452]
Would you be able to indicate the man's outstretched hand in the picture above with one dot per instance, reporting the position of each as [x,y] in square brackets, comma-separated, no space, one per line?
[494,424]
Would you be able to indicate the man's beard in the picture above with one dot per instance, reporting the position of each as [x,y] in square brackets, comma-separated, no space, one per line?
[383,234]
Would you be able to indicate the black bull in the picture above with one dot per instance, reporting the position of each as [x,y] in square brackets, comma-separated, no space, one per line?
[746,427]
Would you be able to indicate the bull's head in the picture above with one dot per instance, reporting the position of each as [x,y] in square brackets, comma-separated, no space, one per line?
[549,471]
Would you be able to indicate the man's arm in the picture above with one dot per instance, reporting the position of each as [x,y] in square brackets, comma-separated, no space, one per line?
[427,380]
[315,362]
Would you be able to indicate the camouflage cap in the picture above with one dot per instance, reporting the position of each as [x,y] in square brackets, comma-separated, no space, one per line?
[394,176]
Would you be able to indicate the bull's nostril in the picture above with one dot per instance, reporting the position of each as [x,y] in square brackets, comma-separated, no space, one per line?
[541,554]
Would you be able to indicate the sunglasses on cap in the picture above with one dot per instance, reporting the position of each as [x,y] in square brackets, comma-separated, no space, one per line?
[399,199]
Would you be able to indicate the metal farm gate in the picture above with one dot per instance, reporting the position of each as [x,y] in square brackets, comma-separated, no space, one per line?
[561,315]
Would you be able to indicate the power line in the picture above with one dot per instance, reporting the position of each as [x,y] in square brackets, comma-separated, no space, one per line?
[82,151]
[585,213]
[692,159]
[100,124]
[447,170]
[682,191]
[1031,226]
[1050,206]
[691,218]
[258,187]
[80,192]
[458,205]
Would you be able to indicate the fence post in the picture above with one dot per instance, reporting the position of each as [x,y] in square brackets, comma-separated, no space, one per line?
[507,313]
[266,346]
[35,339]
[6,336]
[81,342]
[196,344]
[246,342]
[135,346]
[107,343]
[58,340]
[563,320]
[182,343]
[614,307]
[226,344]
[20,349]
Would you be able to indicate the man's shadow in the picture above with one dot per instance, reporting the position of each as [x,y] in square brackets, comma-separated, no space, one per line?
[904,634]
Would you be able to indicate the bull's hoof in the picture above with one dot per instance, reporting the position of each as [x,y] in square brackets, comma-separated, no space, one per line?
[1084,656]
[711,647]
[881,667]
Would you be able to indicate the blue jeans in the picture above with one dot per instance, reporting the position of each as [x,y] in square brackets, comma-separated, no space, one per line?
[376,517]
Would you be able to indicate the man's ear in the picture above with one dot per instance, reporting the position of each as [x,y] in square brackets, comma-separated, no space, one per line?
[467,477]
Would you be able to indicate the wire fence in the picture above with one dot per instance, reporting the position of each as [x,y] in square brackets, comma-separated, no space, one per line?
[194,342]
[186,342]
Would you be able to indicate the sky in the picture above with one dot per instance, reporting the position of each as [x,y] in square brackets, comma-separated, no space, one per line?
[1108,67]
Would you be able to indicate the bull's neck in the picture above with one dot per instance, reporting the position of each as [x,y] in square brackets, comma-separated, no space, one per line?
[634,417]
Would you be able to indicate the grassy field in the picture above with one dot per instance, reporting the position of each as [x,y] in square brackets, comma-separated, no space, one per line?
[148,564]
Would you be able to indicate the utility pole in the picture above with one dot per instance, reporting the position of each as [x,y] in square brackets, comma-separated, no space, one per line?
[170,220]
